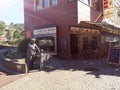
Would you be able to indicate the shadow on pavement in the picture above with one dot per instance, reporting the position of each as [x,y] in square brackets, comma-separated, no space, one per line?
[91,67]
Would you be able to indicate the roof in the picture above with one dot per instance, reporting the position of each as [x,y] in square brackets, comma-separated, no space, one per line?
[101,25]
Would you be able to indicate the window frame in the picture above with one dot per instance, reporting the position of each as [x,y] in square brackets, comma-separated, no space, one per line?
[43,6]
[52,3]
[46,4]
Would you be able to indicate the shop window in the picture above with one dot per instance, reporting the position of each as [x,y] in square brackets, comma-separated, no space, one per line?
[90,43]
[40,4]
[47,43]
[94,43]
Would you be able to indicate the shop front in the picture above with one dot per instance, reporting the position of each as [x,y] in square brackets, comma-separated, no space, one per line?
[46,38]
[92,43]
[83,41]
[110,36]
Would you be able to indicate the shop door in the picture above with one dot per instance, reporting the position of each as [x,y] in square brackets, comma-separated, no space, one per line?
[74,43]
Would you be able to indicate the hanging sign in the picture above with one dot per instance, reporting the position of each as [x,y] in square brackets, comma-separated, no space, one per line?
[108,8]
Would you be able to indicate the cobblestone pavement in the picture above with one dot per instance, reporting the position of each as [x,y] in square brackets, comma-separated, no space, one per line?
[70,75]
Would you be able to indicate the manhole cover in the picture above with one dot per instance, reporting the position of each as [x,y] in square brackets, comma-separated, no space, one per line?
[91,69]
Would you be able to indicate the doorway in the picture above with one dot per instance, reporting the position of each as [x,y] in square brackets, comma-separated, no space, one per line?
[74,43]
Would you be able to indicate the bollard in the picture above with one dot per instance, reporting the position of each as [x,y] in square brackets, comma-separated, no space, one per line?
[26,69]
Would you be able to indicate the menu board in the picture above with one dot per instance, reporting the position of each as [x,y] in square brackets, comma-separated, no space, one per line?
[114,55]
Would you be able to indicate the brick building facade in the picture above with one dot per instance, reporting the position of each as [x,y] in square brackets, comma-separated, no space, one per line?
[52,23]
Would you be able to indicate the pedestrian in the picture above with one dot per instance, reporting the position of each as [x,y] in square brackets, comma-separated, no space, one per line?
[32,49]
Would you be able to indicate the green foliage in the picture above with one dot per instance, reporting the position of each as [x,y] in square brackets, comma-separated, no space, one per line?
[17,34]
[17,26]
[2,27]
[10,35]
[22,47]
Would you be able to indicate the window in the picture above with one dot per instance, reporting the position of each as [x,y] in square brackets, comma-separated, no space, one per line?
[95,4]
[71,0]
[46,3]
[53,2]
[40,4]
[47,43]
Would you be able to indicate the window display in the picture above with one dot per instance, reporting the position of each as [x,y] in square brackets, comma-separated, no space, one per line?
[47,43]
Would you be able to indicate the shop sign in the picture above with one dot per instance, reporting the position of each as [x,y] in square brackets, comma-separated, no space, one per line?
[108,8]
[78,30]
[108,13]
[114,56]
[74,30]
[51,30]
[89,31]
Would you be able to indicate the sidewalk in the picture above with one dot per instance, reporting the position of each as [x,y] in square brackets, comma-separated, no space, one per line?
[7,75]
[70,75]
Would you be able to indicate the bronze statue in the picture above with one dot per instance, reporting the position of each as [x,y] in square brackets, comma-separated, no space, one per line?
[32,49]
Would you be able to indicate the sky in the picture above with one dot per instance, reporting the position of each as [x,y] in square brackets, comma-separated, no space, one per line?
[12,11]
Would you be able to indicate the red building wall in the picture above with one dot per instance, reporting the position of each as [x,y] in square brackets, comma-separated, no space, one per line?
[63,15]
[97,14]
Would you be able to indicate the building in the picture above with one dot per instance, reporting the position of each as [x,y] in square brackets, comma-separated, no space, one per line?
[64,27]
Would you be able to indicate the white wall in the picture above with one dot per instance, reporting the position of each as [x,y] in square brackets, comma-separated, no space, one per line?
[83,12]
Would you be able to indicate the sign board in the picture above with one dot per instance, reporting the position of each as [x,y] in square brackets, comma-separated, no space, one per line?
[108,12]
[108,8]
[50,30]
[114,56]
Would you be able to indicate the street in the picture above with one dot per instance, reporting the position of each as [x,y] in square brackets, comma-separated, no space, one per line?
[70,75]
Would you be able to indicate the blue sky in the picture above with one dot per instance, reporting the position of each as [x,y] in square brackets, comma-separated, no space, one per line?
[12,11]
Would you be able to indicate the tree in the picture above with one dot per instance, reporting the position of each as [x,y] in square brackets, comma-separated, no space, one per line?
[2,27]
[17,26]
[10,35]
[18,36]
[17,31]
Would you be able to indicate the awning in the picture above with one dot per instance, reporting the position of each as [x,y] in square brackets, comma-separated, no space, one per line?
[95,24]
[104,27]
[88,24]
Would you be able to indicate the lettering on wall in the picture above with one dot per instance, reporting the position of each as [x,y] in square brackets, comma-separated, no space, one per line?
[50,30]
